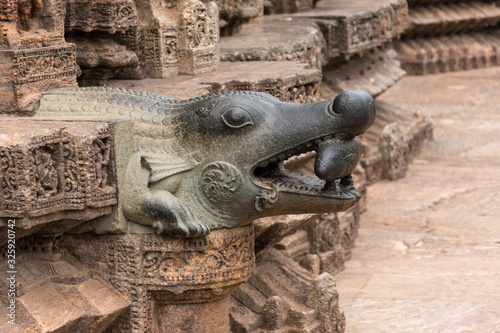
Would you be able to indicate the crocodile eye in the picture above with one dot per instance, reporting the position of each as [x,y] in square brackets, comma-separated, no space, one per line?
[237,117]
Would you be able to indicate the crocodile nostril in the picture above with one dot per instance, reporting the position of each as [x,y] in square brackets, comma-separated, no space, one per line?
[334,110]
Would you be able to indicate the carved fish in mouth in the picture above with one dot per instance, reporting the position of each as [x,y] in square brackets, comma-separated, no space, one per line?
[216,161]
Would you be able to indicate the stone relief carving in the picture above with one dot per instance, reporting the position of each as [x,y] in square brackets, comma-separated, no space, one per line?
[161,274]
[176,183]
[63,170]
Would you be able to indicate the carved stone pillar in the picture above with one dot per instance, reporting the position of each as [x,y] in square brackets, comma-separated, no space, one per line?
[173,284]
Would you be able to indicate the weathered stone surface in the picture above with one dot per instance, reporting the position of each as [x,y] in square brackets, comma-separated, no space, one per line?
[451,18]
[287,6]
[270,230]
[450,53]
[54,175]
[389,156]
[179,37]
[281,296]
[34,58]
[426,259]
[276,40]
[374,73]
[235,13]
[174,285]
[102,59]
[54,295]
[270,77]
[351,28]
[168,38]
[106,29]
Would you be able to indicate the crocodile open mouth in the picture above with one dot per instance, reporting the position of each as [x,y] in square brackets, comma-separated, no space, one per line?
[272,173]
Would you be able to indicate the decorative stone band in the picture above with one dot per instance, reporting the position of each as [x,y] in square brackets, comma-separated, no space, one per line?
[161,274]
[55,170]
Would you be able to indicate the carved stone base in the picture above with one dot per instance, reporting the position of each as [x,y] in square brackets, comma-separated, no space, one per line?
[174,285]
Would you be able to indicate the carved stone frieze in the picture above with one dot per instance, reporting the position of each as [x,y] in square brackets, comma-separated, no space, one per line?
[51,171]
[161,275]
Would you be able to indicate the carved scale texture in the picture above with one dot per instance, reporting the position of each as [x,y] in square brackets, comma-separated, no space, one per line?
[155,116]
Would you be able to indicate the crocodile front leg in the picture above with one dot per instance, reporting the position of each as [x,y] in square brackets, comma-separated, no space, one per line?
[169,214]
[148,197]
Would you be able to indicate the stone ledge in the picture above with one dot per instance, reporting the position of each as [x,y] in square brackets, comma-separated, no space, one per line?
[289,81]
[450,18]
[276,40]
[54,295]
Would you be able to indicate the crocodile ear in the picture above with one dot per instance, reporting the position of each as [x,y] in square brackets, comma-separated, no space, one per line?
[161,167]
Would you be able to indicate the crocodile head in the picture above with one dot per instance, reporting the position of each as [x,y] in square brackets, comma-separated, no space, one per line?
[242,139]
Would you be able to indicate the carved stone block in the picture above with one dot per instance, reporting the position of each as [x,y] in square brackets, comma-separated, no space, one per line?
[173,284]
[34,58]
[109,39]
[266,76]
[52,171]
[179,37]
[276,40]
[53,293]
[351,29]
[282,296]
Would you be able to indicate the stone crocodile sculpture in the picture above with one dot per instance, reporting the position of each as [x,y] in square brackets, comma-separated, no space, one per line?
[216,161]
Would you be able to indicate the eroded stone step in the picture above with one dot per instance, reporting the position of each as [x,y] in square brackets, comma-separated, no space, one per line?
[282,296]
[375,72]
[451,18]
[55,295]
[392,142]
[450,53]
[289,81]
[354,27]
[276,40]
